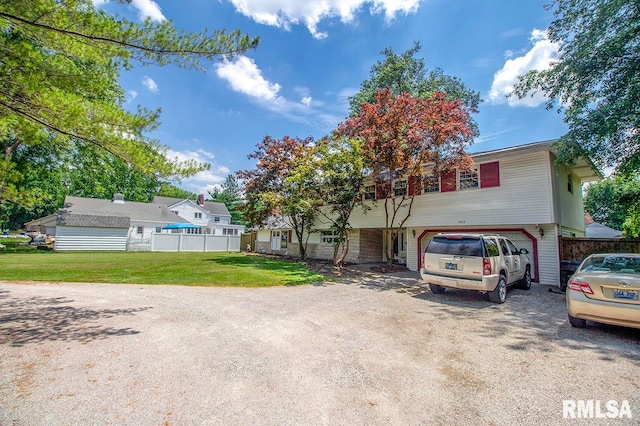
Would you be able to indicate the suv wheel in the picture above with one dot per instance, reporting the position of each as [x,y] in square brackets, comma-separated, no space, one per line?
[436,288]
[499,294]
[577,322]
[525,283]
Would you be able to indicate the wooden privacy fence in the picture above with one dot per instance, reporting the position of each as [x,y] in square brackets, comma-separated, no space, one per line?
[248,240]
[576,249]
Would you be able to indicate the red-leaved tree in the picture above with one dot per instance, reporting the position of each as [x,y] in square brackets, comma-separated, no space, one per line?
[403,134]
[283,187]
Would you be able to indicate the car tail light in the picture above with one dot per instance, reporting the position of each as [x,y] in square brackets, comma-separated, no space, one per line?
[486,266]
[580,286]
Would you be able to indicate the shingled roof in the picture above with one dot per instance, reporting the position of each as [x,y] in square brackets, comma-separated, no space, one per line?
[78,211]
[215,208]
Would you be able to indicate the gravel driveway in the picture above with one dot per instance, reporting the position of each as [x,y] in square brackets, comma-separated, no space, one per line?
[366,351]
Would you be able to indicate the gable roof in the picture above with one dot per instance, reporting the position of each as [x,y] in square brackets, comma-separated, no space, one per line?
[215,208]
[598,230]
[583,167]
[79,211]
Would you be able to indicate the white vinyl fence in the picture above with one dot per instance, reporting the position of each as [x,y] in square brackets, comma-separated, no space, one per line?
[191,242]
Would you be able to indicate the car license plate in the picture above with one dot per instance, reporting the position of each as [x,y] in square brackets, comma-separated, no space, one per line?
[625,294]
[452,266]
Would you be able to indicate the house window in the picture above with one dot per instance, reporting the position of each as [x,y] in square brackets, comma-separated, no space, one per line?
[370,192]
[229,231]
[140,230]
[193,230]
[158,229]
[216,219]
[400,188]
[198,215]
[469,180]
[328,237]
[570,183]
[431,184]
[174,211]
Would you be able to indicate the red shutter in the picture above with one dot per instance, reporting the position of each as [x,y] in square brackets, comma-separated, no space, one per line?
[448,181]
[289,237]
[414,187]
[383,190]
[489,174]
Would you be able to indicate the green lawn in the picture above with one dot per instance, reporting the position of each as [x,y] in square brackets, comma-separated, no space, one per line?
[199,269]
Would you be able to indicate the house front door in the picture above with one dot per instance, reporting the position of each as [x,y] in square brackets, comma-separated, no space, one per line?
[276,240]
[399,247]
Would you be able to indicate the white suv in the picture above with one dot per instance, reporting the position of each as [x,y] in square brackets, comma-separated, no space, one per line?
[486,263]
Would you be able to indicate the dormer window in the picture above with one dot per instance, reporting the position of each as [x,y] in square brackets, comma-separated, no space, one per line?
[198,215]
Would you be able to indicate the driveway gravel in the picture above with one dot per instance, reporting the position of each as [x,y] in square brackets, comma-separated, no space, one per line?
[370,350]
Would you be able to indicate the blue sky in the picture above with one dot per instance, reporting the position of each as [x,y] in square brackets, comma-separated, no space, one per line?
[314,54]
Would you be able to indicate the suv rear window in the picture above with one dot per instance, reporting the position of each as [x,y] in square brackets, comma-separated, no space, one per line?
[459,246]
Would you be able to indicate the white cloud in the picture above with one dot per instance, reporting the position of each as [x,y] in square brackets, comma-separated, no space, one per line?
[131,95]
[284,13]
[145,8]
[538,58]
[205,181]
[150,84]
[244,76]
[148,8]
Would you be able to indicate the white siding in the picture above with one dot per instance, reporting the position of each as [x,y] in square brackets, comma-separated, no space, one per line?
[88,238]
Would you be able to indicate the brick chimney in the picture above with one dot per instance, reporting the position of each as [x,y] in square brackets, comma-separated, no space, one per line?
[201,200]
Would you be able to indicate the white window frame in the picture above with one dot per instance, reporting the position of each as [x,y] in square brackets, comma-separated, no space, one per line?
[469,180]
[432,187]
[370,194]
[328,237]
[400,188]
[197,215]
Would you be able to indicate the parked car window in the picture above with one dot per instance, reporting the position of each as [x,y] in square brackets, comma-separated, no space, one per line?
[504,247]
[462,246]
[513,248]
[612,263]
[492,247]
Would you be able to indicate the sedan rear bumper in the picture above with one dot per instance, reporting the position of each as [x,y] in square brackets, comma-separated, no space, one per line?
[580,306]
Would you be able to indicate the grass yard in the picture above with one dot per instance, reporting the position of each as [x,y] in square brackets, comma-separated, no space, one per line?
[197,269]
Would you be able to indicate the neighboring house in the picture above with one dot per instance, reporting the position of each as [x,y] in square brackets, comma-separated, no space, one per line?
[43,225]
[213,217]
[598,230]
[95,224]
[594,229]
[518,192]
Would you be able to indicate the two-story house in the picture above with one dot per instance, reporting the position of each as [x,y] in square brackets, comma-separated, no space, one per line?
[212,217]
[519,192]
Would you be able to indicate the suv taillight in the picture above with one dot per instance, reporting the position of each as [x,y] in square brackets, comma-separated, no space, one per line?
[580,286]
[486,266]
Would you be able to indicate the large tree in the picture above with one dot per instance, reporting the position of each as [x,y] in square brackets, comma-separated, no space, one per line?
[399,89]
[231,195]
[611,200]
[96,173]
[406,73]
[401,135]
[59,68]
[283,186]
[342,173]
[595,80]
